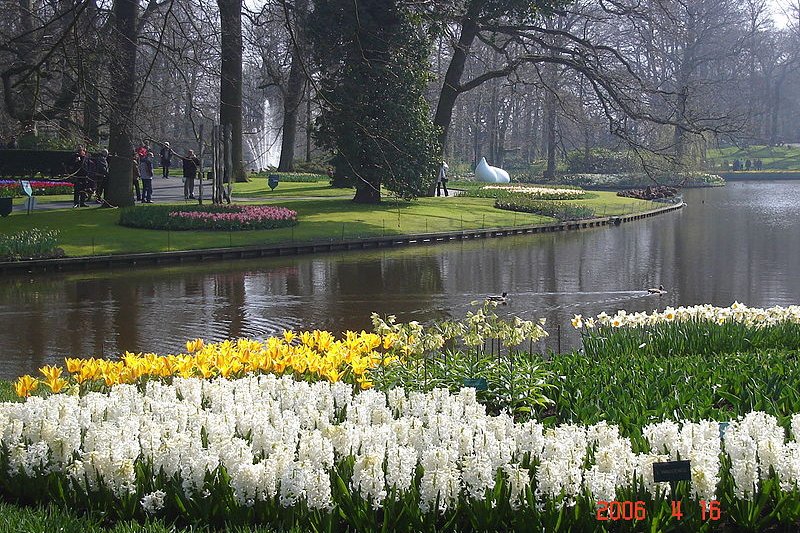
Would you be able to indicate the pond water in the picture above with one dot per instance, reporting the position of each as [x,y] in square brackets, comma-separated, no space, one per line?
[740,242]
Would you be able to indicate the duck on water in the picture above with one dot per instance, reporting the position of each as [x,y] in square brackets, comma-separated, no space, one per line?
[503,298]
[659,290]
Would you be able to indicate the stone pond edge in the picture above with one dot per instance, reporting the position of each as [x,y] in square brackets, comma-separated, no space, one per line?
[307,247]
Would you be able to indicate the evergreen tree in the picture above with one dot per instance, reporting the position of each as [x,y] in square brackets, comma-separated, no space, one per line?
[373,60]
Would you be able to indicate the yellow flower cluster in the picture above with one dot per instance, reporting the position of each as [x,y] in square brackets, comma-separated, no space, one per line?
[308,355]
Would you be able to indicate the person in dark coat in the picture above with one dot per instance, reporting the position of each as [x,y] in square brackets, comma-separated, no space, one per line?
[79,167]
[100,175]
[146,173]
[191,164]
[166,159]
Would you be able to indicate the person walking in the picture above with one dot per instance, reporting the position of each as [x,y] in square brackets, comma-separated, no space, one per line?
[100,175]
[166,159]
[146,173]
[79,165]
[191,164]
[441,179]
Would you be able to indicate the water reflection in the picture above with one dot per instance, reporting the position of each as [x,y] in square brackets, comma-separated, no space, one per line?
[741,243]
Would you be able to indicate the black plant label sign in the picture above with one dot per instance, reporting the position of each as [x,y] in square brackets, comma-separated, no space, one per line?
[476,383]
[672,471]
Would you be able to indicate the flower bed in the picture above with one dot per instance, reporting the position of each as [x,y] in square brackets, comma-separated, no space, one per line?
[649,193]
[11,188]
[700,329]
[311,355]
[315,449]
[208,217]
[30,244]
[534,192]
[634,180]
[318,355]
[558,210]
[267,449]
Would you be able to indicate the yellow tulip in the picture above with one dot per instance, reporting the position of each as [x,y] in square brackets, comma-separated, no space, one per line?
[332,375]
[205,370]
[194,345]
[289,336]
[56,385]
[131,359]
[73,365]
[51,372]
[25,385]
[232,366]
[111,377]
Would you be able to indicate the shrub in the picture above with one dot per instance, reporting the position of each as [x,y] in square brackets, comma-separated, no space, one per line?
[208,217]
[632,180]
[557,210]
[29,244]
[601,161]
[318,167]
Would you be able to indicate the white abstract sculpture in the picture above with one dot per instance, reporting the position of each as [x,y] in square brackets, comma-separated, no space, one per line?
[489,174]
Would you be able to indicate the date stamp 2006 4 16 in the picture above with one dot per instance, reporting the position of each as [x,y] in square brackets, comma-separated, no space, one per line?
[628,510]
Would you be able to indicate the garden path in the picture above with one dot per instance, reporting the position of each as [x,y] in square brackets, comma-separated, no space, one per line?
[171,191]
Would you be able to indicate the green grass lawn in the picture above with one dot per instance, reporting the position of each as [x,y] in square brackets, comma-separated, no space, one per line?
[7,393]
[94,231]
[773,157]
[36,519]
[19,203]
[257,187]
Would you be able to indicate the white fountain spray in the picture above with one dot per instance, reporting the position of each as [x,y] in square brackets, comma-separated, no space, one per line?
[265,143]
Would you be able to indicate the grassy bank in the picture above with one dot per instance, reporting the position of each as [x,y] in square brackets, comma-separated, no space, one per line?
[95,231]
[772,157]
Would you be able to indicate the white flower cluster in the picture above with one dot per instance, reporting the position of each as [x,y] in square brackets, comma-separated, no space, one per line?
[280,441]
[698,442]
[538,192]
[757,446]
[737,313]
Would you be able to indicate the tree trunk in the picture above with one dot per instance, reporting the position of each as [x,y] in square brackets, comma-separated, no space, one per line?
[230,90]
[293,95]
[91,112]
[550,122]
[308,126]
[550,107]
[123,93]
[476,137]
[687,66]
[291,103]
[368,193]
[494,112]
[21,103]
[452,79]
[533,131]
[773,113]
